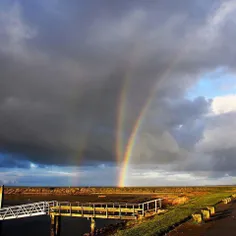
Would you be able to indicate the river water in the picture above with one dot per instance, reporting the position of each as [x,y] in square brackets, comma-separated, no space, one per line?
[40,225]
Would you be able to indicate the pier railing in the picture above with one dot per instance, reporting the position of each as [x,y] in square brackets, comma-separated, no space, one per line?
[105,210]
[26,210]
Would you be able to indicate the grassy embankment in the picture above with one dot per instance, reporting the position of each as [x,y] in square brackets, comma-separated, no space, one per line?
[110,190]
[163,223]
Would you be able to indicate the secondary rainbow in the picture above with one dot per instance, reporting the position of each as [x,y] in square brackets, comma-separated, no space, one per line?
[130,67]
[137,125]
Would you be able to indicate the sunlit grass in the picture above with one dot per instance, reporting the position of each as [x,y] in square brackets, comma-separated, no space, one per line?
[162,223]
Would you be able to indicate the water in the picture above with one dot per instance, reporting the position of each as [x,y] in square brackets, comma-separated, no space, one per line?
[40,226]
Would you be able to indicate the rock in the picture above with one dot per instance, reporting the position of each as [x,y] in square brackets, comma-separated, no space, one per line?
[197,217]
[211,209]
[205,214]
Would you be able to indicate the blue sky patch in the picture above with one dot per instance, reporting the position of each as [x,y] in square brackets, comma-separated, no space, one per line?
[216,83]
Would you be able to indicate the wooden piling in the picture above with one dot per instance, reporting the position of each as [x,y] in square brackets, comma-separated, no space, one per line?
[57,225]
[52,225]
[93,226]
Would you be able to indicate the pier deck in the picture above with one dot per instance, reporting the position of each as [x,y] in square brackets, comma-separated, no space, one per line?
[124,211]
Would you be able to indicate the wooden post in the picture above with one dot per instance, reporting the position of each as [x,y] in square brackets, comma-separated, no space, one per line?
[70,209]
[156,206]
[92,226]
[52,225]
[143,209]
[57,225]
[120,211]
[1,196]
[160,205]
[106,211]
[1,204]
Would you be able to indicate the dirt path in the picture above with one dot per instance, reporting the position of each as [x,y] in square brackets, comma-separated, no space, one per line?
[222,223]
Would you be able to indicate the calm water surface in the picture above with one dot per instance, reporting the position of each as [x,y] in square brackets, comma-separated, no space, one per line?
[40,225]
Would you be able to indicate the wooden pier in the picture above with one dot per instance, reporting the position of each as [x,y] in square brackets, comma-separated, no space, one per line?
[102,210]
[92,211]
[106,210]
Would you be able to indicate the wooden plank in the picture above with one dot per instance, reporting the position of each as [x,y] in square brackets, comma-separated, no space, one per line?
[98,209]
[97,216]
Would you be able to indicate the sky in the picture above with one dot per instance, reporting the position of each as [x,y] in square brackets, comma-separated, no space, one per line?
[117,93]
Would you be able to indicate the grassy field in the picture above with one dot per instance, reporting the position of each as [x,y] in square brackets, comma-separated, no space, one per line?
[197,198]
[163,223]
[74,191]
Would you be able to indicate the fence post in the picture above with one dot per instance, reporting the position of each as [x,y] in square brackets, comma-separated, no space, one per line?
[156,206]
[160,205]
[1,196]
[1,204]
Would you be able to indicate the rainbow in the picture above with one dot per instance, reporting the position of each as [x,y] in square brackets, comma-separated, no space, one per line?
[130,145]
[120,121]
[131,142]
[122,99]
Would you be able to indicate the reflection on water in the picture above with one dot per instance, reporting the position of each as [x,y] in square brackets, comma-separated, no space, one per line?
[40,226]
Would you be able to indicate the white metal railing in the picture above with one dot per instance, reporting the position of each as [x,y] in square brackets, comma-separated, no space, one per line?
[26,210]
[106,208]
[44,208]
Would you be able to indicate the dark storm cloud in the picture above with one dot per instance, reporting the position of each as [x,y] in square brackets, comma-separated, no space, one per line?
[63,68]
[214,154]
[175,129]
[9,162]
[219,142]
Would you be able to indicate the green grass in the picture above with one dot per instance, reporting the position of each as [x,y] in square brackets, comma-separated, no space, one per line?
[162,223]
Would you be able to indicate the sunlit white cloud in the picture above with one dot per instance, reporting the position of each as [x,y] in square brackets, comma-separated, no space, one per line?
[224,104]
